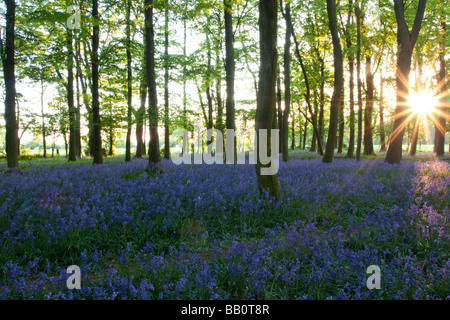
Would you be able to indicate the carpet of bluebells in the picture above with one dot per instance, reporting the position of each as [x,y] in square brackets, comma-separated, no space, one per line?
[204,232]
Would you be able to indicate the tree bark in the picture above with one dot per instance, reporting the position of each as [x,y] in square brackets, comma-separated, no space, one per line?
[416,119]
[442,108]
[338,82]
[10,86]
[279,110]
[79,151]
[230,70]
[96,132]
[70,99]
[154,160]
[368,142]
[166,83]
[44,140]
[266,89]
[140,147]
[305,131]
[382,132]
[358,80]
[341,121]
[129,84]
[406,41]
[287,79]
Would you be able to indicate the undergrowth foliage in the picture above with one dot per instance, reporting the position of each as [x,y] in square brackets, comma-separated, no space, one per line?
[204,232]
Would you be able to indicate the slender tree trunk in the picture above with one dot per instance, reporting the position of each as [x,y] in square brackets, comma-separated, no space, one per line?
[96,132]
[305,131]
[129,84]
[315,125]
[279,110]
[85,98]
[341,121]
[66,144]
[321,124]
[441,123]
[10,86]
[351,65]
[230,70]
[287,79]
[140,147]
[406,41]
[70,99]
[382,132]
[219,121]
[293,133]
[154,160]
[359,83]
[44,140]
[416,119]
[209,97]
[79,151]
[266,90]
[351,142]
[166,83]
[338,82]
[111,142]
[368,142]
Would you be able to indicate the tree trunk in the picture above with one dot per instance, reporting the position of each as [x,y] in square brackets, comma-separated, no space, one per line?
[10,86]
[351,65]
[209,97]
[219,121]
[382,134]
[111,142]
[166,83]
[406,41]
[154,160]
[338,82]
[341,121]
[44,140]
[368,142]
[416,119]
[70,99]
[140,147]
[293,133]
[79,151]
[279,110]
[351,142]
[266,92]
[287,79]
[305,131]
[85,99]
[441,122]
[129,84]
[358,80]
[230,71]
[321,123]
[314,123]
[96,131]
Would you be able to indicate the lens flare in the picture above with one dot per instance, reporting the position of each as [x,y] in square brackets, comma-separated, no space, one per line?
[423,103]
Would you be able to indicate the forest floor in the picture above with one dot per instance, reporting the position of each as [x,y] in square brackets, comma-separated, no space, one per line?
[204,232]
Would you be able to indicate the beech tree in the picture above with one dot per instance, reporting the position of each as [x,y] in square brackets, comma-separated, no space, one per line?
[96,134]
[265,109]
[338,82]
[8,60]
[406,41]
[154,160]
